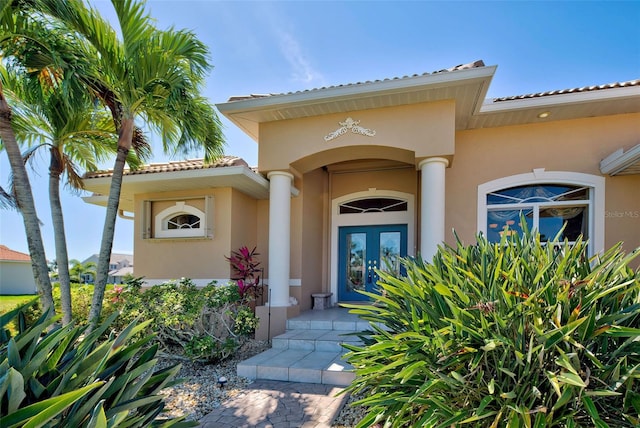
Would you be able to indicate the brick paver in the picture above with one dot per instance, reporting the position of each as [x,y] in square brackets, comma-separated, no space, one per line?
[275,404]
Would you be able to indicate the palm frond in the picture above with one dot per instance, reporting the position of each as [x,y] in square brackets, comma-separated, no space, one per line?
[135,23]
[28,156]
[73,180]
[141,147]
[7,201]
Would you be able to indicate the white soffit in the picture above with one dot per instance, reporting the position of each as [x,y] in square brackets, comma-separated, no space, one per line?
[468,87]
[576,105]
[622,162]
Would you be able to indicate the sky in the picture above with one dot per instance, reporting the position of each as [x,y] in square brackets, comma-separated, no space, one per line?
[259,47]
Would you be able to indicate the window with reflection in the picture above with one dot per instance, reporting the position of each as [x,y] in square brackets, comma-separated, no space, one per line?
[544,207]
[183,221]
[373,205]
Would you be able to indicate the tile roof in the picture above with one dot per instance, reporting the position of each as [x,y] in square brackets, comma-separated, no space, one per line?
[571,91]
[184,165]
[8,254]
[475,64]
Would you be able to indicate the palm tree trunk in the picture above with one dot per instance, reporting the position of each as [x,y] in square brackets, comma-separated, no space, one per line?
[102,272]
[62,257]
[27,206]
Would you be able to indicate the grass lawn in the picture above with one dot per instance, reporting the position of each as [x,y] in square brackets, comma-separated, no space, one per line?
[9,302]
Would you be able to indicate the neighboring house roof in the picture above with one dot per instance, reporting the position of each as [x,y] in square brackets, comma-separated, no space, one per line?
[116,258]
[7,254]
[122,271]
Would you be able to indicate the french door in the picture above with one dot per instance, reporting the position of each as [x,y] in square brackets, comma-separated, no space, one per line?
[362,250]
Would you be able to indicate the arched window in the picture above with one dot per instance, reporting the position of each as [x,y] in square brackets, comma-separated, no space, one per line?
[373,205]
[547,201]
[179,221]
[184,221]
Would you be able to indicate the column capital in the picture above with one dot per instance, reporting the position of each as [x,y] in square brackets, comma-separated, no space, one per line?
[436,159]
[280,173]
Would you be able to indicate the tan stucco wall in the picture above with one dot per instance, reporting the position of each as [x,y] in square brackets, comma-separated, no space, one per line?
[421,129]
[314,239]
[244,225]
[295,268]
[262,235]
[575,146]
[400,178]
[196,258]
[622,212]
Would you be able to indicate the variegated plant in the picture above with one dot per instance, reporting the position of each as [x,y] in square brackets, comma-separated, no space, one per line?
[58,376]
[510,334]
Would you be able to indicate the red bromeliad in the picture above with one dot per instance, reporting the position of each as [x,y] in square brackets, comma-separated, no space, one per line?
[245,267]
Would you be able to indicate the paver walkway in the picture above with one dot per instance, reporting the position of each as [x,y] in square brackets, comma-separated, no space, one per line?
[277,404]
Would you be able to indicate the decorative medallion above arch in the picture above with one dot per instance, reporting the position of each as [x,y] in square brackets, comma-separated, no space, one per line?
[349,125]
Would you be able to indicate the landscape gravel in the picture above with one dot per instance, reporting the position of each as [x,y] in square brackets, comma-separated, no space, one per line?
[199,393]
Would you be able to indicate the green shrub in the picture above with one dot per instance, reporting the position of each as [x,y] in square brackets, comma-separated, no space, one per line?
[516,333]
[173,308]
[245,321]
[208,323]
[81,297]
[55,376]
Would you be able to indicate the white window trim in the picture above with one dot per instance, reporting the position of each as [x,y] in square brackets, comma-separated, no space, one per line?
[369,219]
[539,176]
[179,208]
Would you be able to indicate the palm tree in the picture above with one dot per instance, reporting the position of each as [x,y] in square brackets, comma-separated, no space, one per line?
[145,74]
[80,271]
[11,26]
[76,134]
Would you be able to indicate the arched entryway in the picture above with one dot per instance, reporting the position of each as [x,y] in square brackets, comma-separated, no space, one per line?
[368,229]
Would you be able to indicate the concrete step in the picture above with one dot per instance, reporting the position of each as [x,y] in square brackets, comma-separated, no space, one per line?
[315,340]
[298,365]
[351,323]
[310,350]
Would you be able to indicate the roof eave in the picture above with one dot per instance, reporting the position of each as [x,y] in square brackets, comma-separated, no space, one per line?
[354,90]
[244,113]
[621,162]
[242,178]
[612,94]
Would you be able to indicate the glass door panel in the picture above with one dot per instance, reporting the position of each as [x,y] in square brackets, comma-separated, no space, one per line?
[362,251]
[356,253]
[390,244]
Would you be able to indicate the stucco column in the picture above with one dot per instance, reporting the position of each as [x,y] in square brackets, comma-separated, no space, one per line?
[432,200]
[279,236]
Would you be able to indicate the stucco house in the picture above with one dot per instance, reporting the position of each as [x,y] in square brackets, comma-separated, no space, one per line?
[16,273]
[350,177]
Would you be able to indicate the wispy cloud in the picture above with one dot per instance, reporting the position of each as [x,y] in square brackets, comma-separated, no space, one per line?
[301,67]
